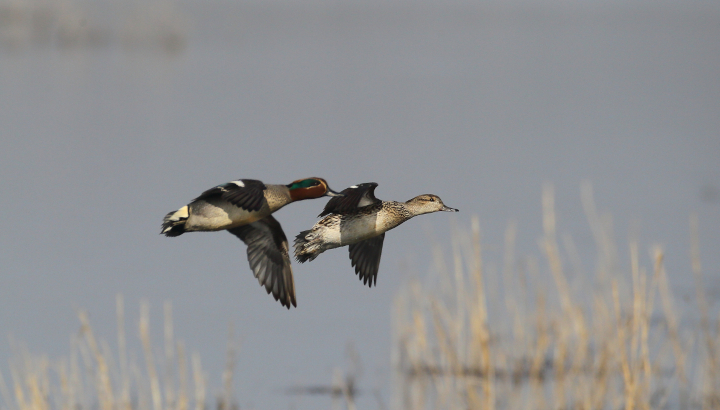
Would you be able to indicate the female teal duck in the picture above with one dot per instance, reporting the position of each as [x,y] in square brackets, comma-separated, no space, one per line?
[243,207]
[360,220]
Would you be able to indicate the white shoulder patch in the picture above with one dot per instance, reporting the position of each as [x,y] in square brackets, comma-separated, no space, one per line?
[354,186]
[238,183]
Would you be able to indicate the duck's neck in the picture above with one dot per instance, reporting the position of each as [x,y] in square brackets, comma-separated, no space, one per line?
[415,209]
[277,196]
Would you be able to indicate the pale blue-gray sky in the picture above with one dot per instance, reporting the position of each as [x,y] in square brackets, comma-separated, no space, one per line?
[480,104]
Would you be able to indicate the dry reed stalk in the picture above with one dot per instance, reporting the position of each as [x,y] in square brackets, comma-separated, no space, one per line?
[512,280]
[169,357]
[710,340]
[227,377]
[419,347]
[103,386]
[604,364]
[582,342]
[402,334]
[85,369]
[125,403]
[628,379]
[144,401]
[672,325]
[64,380]
[199,379]
[479,322]
[645,336]
[461,295]
[18,390]
[446,345]
[550,246]
[559,378]
[75,393]
[538,352]
[183,396]
[646,360]
[38,391]
[149,360]
[637,307]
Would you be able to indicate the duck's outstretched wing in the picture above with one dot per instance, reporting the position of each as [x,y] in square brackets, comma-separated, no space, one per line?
[268,256]
[365,256]
[356,196]
[248,194]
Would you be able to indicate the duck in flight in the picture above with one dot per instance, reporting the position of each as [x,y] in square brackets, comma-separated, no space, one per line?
[360,220]
[244,208]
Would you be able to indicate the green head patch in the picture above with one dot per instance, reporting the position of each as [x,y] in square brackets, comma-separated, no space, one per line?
[305,183]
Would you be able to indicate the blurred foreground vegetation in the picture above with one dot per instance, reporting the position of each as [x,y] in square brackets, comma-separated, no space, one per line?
[531,334]
[537,334]
[96,377]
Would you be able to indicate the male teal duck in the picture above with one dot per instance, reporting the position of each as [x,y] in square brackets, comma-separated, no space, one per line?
[243,207]
[360,220]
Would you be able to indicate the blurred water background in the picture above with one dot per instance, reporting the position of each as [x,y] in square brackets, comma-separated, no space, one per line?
[115,113]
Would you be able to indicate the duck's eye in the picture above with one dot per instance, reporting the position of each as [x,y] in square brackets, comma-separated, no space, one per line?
[432,199]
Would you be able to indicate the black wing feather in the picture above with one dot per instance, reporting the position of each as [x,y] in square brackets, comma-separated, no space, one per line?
[267,254]
[250,197]
[365,256]
[354,197]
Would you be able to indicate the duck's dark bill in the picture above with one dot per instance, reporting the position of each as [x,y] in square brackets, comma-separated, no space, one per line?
[448,209]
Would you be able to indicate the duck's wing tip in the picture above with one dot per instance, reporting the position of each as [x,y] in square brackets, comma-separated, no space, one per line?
[267,253]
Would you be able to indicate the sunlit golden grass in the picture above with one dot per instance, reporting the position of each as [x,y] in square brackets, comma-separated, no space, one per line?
[540,334]
[487,330]
[94,376]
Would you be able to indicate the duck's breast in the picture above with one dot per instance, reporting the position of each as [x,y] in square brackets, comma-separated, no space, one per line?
[365,225]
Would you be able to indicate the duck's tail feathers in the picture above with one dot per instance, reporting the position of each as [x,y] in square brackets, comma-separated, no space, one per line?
[306,247]
[174,222]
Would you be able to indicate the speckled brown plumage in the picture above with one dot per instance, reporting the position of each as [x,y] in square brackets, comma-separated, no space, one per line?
[362,228]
